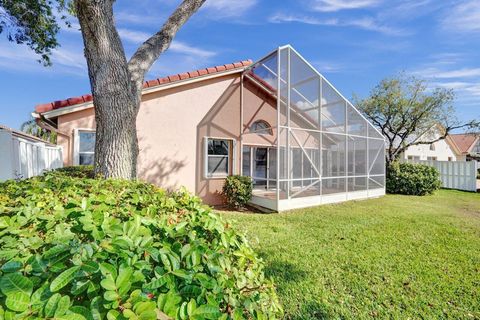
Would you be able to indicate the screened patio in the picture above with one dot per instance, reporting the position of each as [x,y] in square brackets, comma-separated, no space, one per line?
[319,148]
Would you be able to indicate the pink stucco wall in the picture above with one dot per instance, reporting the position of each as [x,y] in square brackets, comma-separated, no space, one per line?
[172,125]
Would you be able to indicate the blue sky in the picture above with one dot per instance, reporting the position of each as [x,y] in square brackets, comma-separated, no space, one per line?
[354,43]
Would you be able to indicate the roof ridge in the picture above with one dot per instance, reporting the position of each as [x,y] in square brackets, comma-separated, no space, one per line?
[44,107]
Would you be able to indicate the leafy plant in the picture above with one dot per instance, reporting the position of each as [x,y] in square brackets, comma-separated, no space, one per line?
[80,248]
[412,179]
[237,190]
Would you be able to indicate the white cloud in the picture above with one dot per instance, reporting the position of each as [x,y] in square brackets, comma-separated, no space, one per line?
[139,19]
[443,73]
[139,37]
[362,23]
[21,58]
[228,8]
[337,5]
[134,36]
[464,17]
[436,73]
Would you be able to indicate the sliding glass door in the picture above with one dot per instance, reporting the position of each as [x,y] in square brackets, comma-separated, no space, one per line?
[260,163]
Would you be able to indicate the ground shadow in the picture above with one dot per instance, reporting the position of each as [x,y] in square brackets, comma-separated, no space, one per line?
[311,310]
[282,270]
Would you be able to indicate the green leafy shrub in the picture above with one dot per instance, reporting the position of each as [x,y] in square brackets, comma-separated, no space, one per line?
[77,171]
[412,179]
[79,248]
[237,190]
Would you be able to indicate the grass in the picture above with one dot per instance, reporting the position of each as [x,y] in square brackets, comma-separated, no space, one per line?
[395,257]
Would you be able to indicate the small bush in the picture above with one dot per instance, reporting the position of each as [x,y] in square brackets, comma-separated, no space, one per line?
[238,190]
[78,248]
[412,179]
[77,171]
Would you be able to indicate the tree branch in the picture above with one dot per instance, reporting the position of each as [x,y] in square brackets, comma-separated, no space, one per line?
[153,47]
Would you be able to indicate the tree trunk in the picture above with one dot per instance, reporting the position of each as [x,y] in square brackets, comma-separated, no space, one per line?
[117,85]
[116,100]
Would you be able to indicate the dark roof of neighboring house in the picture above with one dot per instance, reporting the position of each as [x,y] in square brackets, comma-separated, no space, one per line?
[147,84]
[465,141]
[22,134]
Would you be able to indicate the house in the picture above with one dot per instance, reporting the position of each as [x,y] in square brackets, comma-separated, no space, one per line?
[468,145]
[442,150]
[455,147]
[277,120]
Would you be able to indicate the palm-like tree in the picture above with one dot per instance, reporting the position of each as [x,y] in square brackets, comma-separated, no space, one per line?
[31,127]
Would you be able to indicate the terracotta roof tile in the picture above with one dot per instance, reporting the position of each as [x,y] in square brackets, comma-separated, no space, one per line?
[184,76]
[202,72]
[152,83]
[193,74]
[40,108]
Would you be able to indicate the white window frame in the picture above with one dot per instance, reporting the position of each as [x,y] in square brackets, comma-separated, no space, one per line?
[76,144]
[230,156]
[268,130]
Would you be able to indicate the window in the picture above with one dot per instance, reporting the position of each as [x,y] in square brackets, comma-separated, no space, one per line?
[261,127]
[432,147]
[218,157]
[432,158]
[450,159]
[85,147]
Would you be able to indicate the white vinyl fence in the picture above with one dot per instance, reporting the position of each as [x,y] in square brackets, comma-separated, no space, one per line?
[21,157]
[461,175]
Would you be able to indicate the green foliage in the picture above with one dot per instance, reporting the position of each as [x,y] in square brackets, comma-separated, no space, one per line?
[238,190]
[31,127]
[84,171]
[405,110]
[80,248]
[34,23]
[412,179]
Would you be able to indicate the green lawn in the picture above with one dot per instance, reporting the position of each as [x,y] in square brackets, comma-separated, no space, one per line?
[394,257]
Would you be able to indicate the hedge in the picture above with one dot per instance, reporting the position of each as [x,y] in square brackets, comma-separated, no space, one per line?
[80,248]
[412,179]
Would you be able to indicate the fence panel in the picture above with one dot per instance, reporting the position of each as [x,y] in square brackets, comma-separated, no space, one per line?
[461,175]
[21,158]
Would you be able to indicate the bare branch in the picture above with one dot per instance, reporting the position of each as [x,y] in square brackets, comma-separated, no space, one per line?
[153,47]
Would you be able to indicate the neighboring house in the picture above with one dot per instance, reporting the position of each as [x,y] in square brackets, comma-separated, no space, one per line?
[442,150]
[196,128]
[468,145]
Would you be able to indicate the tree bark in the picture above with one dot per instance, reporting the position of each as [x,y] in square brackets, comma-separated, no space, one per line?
[116,102]
[117,84]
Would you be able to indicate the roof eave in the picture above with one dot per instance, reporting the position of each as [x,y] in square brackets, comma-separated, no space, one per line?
[87,105]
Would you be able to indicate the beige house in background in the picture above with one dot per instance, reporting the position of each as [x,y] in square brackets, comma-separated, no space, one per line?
[196,128]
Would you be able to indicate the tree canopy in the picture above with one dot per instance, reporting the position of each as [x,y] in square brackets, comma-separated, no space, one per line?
[405,109]
[116,82]
[35,23]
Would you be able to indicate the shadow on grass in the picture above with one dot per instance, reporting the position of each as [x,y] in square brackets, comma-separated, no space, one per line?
[282,270]
[310,310]
[284,274]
